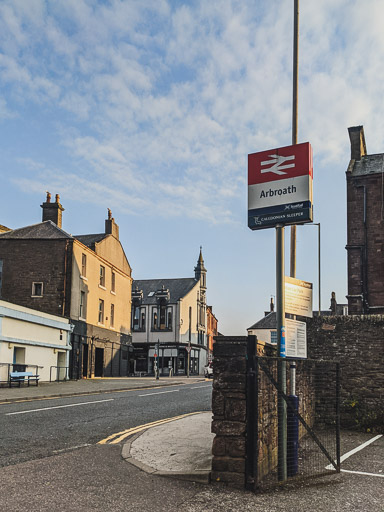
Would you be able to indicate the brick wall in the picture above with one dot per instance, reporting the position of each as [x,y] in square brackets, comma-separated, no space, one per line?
[365,263]
[28,261]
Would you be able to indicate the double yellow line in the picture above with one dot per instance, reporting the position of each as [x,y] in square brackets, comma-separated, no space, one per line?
[120,436]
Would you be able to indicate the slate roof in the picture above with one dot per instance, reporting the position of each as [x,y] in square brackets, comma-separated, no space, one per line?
[369,164]
[178,288]
[268,322]
[46,230]
[90,240]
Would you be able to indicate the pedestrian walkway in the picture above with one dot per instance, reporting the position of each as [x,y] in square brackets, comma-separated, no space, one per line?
[179,449]
[88,387]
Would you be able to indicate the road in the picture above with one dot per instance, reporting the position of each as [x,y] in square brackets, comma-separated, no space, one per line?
[36,429]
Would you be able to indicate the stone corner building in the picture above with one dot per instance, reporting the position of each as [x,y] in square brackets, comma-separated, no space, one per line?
[365,227]
[86,278]
[169,317]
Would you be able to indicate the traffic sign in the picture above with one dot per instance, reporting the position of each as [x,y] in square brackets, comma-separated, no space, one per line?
[280,186]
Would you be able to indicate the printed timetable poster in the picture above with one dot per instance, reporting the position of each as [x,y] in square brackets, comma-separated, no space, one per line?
[296,338]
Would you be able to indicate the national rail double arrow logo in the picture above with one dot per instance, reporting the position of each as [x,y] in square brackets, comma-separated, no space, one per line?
[278,162]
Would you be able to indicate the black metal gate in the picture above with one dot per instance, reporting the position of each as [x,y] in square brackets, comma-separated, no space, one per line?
[311,409]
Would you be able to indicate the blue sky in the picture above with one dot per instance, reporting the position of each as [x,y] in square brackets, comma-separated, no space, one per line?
[151,107]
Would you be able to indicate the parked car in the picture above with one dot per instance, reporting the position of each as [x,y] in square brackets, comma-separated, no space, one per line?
[208,370]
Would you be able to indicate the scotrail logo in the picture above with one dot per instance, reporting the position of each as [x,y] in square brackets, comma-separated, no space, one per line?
[279,162]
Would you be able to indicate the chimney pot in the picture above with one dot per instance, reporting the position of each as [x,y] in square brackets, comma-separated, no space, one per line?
[52,211]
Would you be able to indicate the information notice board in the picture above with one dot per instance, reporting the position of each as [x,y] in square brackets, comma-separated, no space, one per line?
[296,338]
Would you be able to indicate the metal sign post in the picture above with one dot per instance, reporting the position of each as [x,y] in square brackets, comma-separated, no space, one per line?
[281,368]
[188,358]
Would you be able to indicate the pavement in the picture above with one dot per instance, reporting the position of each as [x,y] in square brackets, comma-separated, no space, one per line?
[179,448]
[89,387]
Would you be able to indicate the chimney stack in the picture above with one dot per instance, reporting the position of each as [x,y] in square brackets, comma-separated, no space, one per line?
[358,148]
[271,308]
[111,228]
[52,211]
[333,303]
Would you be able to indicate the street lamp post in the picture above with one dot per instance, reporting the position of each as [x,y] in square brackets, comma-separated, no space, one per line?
[157,359]
[318,261]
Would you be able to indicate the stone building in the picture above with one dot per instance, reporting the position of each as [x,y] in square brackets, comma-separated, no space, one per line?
[169,323]
[365,227]
[85,278]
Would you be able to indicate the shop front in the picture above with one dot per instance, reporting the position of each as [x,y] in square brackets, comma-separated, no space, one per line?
[171,359]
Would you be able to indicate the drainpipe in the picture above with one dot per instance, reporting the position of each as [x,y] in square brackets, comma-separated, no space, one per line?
[364,253]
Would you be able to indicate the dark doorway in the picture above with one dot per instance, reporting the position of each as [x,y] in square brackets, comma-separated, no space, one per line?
[85,360]
[99,362]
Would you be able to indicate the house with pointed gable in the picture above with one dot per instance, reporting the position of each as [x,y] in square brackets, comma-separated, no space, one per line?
[169,326]
[84,278]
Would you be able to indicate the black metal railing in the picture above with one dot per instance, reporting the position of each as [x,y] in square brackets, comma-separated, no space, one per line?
[313,419]
[61,373]
[7,368]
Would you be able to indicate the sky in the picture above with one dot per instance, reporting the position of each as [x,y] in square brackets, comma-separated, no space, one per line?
[150,108]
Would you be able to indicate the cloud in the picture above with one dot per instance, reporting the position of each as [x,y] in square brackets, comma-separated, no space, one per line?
[163,100]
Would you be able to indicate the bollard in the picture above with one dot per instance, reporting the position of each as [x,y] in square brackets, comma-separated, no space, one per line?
[292,435]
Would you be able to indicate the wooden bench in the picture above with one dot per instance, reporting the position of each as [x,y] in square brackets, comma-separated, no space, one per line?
[20,377]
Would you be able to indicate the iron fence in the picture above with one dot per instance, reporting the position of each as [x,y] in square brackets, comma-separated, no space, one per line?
[307,440]
[7,368]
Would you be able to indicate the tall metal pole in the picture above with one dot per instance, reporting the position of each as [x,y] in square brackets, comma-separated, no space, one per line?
[281,369]
[295,117]
[319,262]
[293,426]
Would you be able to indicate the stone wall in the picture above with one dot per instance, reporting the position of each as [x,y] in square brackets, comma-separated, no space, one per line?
[357,342]
[229,407]
[233,406]
[229,410]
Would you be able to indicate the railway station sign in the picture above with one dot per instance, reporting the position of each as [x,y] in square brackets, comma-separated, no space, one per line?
[280,186]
